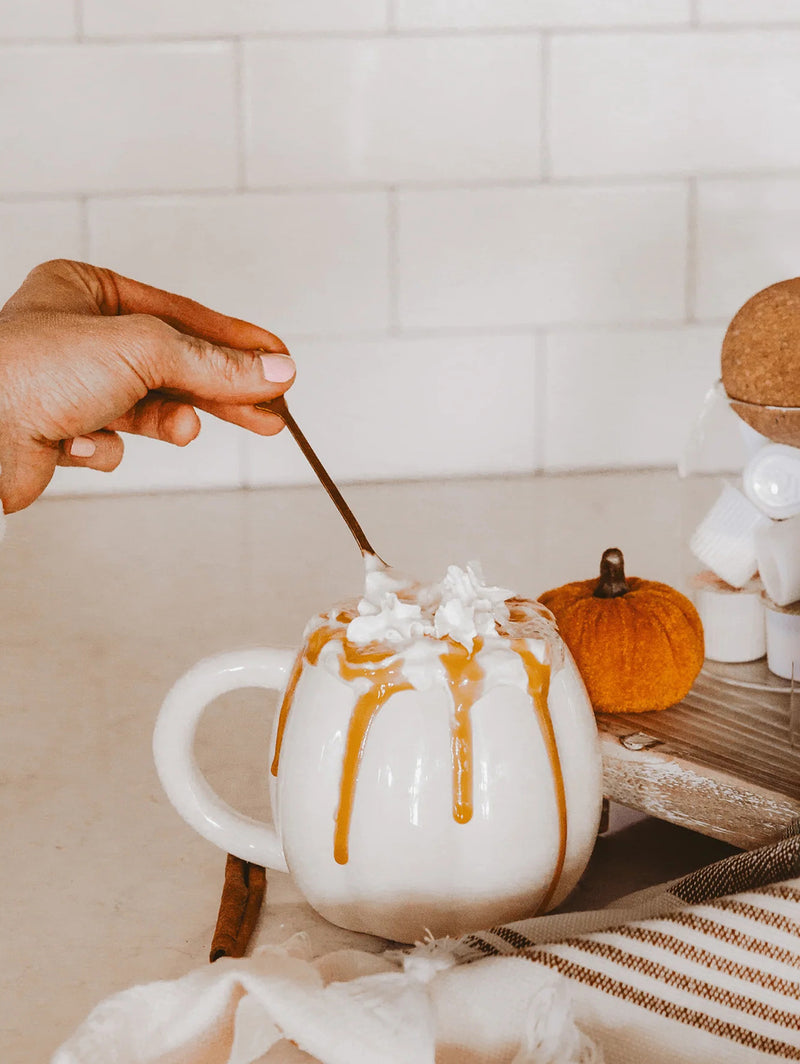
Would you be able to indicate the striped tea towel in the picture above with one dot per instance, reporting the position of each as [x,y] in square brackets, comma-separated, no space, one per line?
[704,968]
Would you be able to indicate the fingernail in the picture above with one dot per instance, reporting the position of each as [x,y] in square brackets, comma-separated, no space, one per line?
[82,447]
[277,368]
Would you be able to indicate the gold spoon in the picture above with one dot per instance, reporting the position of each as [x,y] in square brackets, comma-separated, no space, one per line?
[278,406]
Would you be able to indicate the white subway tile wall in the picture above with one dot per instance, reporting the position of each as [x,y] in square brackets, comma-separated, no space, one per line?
[37,19]
[749,12]
[458,407]
[498,235]
[393,109]
[622,395]
[488,14]
[748,235]
[547,255]
[200,18]
[296,262]
[35,232]
[674,103]
[87,118]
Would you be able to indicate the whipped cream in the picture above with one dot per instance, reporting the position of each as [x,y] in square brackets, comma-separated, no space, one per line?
[383,616]
[395,609]
[468,607]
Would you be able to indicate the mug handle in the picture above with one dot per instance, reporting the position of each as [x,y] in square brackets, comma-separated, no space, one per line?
[173,749]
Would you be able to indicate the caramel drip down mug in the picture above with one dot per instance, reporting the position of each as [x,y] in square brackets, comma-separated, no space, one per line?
[439,789]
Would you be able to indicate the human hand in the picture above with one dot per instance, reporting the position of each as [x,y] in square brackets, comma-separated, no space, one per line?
[86,354]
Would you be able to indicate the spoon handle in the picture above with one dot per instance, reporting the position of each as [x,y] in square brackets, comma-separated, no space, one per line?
[278,406]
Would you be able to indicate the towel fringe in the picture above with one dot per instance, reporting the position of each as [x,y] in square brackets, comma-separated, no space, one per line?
[426,958]
[551,1034]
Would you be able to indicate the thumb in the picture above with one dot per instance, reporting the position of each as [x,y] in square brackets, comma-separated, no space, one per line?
[199,371]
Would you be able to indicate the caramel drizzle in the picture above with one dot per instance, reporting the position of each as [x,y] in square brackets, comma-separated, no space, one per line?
[538,689]
[465,678]
[313,649]
[364,713]
[354,663]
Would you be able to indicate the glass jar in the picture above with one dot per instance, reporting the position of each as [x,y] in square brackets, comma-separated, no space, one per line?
[741,534]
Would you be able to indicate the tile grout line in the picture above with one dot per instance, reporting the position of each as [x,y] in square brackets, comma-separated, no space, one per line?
[391,17]
[691,252]
[80,28]
[692,25]
[599,182]
[545,161]
[240,118]
[461,332]
[540,356]
[84,228]
[557,328]
[393,263]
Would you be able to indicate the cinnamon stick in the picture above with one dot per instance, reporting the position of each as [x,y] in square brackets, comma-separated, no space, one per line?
[242,895]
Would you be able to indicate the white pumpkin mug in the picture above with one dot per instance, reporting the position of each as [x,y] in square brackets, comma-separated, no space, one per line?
[406,798]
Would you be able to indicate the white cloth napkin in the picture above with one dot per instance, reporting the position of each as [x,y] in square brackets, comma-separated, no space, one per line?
[704,968]
[281,1007]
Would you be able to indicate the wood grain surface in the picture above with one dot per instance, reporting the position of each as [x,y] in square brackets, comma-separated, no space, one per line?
[721,762]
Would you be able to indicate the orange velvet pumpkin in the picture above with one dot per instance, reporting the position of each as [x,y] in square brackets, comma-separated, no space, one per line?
[638,644]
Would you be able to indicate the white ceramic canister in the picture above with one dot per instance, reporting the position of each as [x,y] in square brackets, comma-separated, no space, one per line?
[734,628]
[783,639]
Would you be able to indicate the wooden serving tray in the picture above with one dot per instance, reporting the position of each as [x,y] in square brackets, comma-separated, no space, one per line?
[725,761]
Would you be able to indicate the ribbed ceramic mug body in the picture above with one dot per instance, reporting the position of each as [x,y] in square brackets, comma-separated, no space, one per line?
[392,844]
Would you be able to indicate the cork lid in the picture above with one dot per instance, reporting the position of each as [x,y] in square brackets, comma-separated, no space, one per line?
[761,349]
[761,362]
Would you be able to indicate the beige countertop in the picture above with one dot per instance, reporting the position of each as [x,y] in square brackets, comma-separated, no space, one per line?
[105,601]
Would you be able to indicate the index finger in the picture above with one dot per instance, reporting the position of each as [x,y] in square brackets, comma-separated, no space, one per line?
[122,295]
[79,288]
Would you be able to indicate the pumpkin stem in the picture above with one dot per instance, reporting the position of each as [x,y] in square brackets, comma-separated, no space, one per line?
[612,582]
